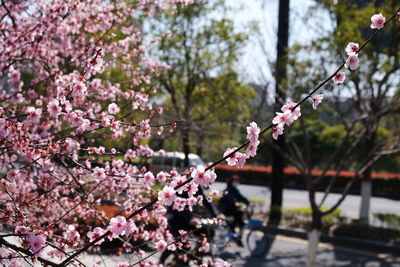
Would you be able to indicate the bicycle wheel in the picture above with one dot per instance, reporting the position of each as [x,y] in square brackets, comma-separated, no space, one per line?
[257,242]
[222,236]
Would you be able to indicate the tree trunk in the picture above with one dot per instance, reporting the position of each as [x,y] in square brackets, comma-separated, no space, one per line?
[278,162]
[366,192]
[277,185]
[199,145]
[185,145]
[313,238]
[366,185]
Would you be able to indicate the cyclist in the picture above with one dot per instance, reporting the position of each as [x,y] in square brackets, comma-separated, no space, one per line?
[230,205]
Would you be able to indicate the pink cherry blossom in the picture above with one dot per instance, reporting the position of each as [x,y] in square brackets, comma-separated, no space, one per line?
[12,175]
[252,132]
[277,131]
[14,75]
[99,173]
[179,204]
[166,196]
[352,62]
[101,150]
[162,176]
[191,202]
[3,255]
[316,101]
[202,177]
[283,117]
[22,230]
[177,180]
[130,154]
[72,235]
[352,48]
[241,159]
[221,263]
[34,114]
[161,245]
[96,233]
[251,149]
[71,145]
[79,89]
[36,242]
[238,159]
[117,225]
[378,21]
[398,15]
[339,77]
[113,108]
[53,108]
[232,159]
[296,113]
[130,228]
[144,125]
[105,122]
[148,178]
[96,63]
[191,188]
[215,193]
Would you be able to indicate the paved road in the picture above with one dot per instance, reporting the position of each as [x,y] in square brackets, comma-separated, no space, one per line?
[299,198]
[286,251]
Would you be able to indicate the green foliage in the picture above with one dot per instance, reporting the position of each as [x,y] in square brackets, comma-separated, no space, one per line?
[201,86]
[333,217]
[333,135]
[388,219]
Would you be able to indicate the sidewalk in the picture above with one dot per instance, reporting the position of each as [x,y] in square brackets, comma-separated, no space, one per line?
[291,251]
[289,248]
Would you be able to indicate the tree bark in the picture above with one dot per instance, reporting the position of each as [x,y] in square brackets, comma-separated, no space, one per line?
[313,240]
[366,185]
[366,192]
[313,237]
[186,144]
[199,145]
[278,162]
[316,225]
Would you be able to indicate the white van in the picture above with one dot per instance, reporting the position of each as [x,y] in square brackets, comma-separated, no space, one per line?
[169,160]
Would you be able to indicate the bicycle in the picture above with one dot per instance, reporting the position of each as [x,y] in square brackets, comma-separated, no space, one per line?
[256,237]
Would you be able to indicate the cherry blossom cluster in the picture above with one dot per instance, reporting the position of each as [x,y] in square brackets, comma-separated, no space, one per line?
[118,226]
[177,184]
[58,104]
[238,159]
[29,240]
[290,113]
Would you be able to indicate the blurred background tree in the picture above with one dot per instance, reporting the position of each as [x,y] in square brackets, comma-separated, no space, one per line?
[201,86]
[367,100]
[356,127]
